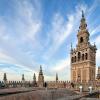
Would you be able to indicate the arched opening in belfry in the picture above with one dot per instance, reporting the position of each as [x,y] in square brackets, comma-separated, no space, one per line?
[82,56]
[86,56]
[79,56]
[81,39]
[72,59]
[75,58]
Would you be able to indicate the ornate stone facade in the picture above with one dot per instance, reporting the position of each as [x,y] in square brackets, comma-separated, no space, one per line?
[98,74]
[83,58]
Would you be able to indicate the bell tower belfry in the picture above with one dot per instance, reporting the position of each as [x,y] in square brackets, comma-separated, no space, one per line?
[83,34]
[83,57]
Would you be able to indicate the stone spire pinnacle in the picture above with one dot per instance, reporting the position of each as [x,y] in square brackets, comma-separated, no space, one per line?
[56,77]
[40,73]
[23,79]
[34,80]
[34,77]
[5,77]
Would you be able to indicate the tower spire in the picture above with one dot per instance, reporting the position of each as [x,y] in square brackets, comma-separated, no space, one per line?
[40,73]
[23,79]
[5,77]
[34,77]
[83,24]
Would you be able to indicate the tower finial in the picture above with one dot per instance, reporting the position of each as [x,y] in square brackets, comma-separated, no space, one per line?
[83,24]
[82,13]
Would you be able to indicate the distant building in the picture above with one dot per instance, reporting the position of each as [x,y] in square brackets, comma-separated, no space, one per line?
[83,58]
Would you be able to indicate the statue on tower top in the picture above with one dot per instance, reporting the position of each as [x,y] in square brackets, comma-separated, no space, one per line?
[82,13]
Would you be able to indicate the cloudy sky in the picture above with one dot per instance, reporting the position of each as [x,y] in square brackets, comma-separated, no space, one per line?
[39,32]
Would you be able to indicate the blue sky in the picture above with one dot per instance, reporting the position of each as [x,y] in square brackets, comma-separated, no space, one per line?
[39,32]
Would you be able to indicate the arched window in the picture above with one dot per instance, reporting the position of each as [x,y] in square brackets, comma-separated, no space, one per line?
[82,56]
[72,60]
[79,56]
[75,58]
[86,56]
[81,39]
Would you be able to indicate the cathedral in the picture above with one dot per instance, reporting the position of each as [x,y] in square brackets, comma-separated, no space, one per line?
[83,57]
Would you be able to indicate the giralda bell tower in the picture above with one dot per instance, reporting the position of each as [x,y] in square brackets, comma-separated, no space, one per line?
[83,58]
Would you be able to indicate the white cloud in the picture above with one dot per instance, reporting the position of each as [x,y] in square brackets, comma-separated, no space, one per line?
[20,37]
[60,31]
[95,30]
[5,58]
[97,40]
[62,65]
[14,71]
[98,58]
